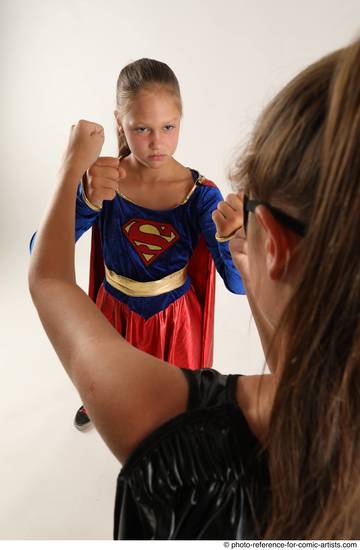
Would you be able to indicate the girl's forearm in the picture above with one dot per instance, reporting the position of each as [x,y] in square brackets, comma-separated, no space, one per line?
[53,256]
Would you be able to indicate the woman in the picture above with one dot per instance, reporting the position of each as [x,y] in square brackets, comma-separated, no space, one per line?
[192,441]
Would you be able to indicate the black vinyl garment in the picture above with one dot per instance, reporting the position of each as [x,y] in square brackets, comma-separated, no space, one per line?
[200,475]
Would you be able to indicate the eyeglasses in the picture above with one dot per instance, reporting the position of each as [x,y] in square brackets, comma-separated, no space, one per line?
[249,205]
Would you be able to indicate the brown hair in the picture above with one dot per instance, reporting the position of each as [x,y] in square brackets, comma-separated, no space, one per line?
[304,157]
[143,74]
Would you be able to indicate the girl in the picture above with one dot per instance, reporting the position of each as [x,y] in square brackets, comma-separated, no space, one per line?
[151,272]
[194,442]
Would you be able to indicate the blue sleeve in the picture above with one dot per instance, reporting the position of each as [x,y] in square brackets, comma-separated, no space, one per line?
[219,251]
[85,217]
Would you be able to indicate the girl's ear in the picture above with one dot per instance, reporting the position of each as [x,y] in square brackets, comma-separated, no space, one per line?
[118,122]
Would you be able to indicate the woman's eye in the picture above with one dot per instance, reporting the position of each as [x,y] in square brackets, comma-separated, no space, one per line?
[169,127]
[140,130]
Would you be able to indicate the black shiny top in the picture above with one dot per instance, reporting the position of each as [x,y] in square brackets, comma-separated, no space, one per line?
[201,475]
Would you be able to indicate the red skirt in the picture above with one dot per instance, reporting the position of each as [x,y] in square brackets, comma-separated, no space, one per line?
[173,334]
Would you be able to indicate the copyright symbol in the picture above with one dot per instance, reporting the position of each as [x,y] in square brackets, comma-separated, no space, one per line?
[226,544]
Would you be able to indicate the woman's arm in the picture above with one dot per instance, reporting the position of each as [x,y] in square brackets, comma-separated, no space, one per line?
[85,214]
[85,217]
[127,392]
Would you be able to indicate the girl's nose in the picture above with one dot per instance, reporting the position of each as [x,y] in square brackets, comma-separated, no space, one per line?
[155,140]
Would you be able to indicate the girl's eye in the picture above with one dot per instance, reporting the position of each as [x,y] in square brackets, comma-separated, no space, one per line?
[140,130]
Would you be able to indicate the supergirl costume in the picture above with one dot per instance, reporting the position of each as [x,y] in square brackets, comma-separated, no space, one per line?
[152,272]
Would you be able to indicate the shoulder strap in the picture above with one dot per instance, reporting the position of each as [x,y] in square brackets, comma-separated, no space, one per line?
[209,388]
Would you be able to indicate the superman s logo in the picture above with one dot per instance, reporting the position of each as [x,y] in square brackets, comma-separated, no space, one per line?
[150,239]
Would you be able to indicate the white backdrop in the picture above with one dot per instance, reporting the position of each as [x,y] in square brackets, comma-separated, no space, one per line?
[59,62]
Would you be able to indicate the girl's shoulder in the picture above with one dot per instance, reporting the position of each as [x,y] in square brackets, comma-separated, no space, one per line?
[206,182]
[200,180]
[205,190]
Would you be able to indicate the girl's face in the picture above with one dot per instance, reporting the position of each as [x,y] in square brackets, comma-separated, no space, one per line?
[151,127]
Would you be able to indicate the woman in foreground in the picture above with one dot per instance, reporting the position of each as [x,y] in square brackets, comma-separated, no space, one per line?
[214,456]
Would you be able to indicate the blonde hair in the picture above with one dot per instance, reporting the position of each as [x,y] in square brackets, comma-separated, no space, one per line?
[143,74]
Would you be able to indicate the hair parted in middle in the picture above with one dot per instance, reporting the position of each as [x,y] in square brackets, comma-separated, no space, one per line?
[143,74]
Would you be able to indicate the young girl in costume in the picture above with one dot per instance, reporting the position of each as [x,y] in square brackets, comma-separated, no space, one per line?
[154,244]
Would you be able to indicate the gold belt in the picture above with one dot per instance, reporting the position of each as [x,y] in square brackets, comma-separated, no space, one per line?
[149,288]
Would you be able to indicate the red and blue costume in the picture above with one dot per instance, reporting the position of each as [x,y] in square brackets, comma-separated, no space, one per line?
[136,249]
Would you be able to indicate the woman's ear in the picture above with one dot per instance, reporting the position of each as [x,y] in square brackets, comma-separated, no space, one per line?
[278,243]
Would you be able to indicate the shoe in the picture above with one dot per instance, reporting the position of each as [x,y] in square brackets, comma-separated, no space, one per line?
[81,420]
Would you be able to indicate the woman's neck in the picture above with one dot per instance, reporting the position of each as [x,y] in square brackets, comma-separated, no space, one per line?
[255,397]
